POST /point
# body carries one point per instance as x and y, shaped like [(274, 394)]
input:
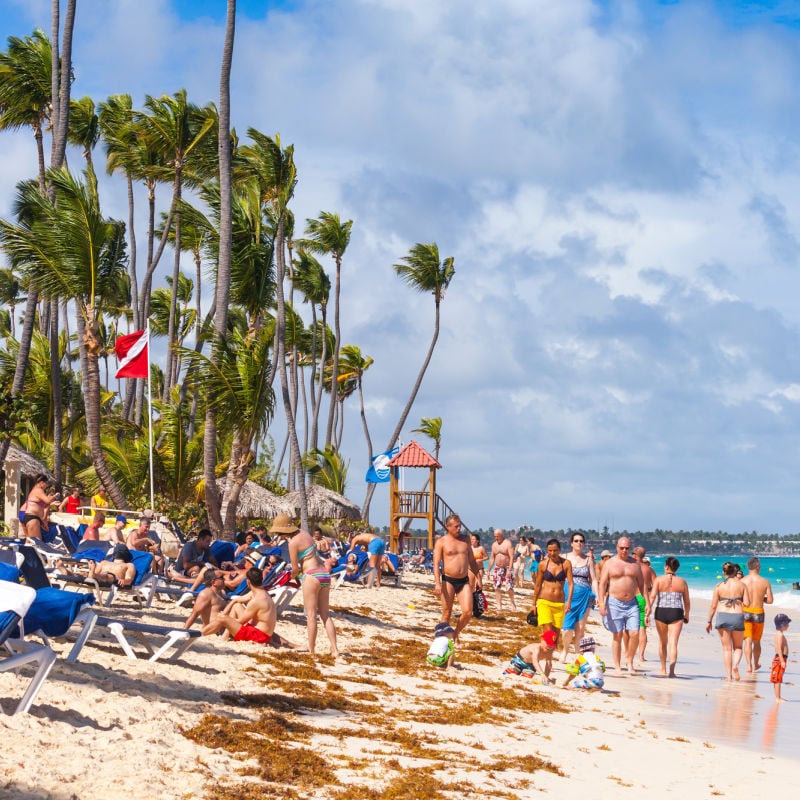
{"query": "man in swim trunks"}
[(500, 570), (254, 622), (376, 547), (620, 582), (454, 552), (649, 576), (210, 601), (760, 592)]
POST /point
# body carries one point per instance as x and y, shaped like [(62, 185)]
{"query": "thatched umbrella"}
[(257, 502), (322, 504), (29, 467)]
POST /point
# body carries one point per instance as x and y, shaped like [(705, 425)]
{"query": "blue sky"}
[(618, 184)]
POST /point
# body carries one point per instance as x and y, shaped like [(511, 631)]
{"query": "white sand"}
[(115, 723)]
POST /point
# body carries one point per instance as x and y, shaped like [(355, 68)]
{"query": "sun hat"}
[(781, 620), (550, 638), (252, 558), (587, 643), (605, 553), (283, 524)]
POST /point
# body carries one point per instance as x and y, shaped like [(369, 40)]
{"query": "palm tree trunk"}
[(337, 344), (55, 384), (406, 410), (61, 127), (280, 335), (224, 263), (172, 336), (90, 380), (132, 265), (318, 402)]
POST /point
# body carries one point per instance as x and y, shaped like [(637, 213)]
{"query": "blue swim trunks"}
[(377, 547), (621, 615)]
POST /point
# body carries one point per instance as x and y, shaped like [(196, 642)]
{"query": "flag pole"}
[(150, 417)]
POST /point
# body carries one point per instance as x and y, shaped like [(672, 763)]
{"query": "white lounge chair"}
[(15, 600), (121, 629)]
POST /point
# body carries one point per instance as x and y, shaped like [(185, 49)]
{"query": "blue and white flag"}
[(378, 472)]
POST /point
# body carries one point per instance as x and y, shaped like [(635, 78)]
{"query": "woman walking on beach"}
[(727, 604), (584, 592), (670, 599), (550, 600), (479, 551), (314, 578), (521, 554)]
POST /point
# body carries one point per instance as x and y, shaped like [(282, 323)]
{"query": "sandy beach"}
[(236, 720)]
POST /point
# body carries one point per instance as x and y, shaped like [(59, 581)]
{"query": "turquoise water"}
[(703, 573)]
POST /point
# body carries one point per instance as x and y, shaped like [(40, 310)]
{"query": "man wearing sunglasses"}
[(620, 582)]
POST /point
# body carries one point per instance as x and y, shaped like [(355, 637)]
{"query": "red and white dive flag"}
[(132, 355)]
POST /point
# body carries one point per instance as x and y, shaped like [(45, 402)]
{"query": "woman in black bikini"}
[(670, 598), (37, 507)]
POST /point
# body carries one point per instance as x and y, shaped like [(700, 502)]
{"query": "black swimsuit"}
[(457, 583)]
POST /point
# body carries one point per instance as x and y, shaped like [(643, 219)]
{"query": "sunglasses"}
[(579, 541), (623, 548)]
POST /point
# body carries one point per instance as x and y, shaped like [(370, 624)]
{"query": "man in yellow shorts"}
[(760, 592)]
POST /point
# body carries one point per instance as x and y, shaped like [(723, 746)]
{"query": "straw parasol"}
[(29, 467), (256, 501), (322, 504)]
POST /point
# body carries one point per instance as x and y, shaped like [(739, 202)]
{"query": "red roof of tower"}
[(412, 455)]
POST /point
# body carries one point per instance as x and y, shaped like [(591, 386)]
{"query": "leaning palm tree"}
[(327, 468), (432, 428), (423, 271), (353, 364), (330, 235), (76, 255)]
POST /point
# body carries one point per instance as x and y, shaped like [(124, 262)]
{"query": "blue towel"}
[(54, 610), (9, 572), (92, 554), (223, 551)]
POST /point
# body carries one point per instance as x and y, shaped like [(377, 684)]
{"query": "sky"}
[(619, 185)]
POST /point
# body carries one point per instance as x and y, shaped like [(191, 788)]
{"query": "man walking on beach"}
[(648, 576), (760, 592), (453, 561), (620, 582), (500, 570)]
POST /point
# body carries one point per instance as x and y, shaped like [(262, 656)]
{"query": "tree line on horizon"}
[(80, 278)]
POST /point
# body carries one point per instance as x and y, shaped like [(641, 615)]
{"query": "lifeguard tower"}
[(421, 504)]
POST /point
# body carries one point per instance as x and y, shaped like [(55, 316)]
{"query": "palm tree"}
[(432, 428), (10, 288), (329, 234), (238, 388), (352, 366), (84, 127), (314, 283), (423, 271), (327, 468), (175, 129), (78, 255)]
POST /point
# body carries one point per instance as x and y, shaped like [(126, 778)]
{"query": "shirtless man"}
[(119, 572), (500, 570), (376, 547), (760, 592), (210, 601), (140, 539), (254, 622), (649, 576), (454, 552), (92, 532), (620, 582)]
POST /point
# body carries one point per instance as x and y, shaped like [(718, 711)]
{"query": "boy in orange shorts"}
[(781, 654)]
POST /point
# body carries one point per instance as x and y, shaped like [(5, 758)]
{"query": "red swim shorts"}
[(249, 633), (776, 676)]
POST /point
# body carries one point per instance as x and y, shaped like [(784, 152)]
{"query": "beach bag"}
[(440, 651), (532, 618), (479, 603)]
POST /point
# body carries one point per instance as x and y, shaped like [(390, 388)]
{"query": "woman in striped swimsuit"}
[(314, 578)]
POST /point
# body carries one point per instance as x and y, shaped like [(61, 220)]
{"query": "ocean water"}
[(703, 573)]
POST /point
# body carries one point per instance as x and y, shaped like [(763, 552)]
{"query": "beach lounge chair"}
[(157, 640), (15, 600)]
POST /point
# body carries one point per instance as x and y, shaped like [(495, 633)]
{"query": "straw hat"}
[(283, 524)]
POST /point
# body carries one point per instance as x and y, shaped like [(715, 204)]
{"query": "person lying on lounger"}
[(254, 622), (119, 572)]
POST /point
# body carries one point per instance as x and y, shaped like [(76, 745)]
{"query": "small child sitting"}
[(441, 650), (535, 660), (781, 654), (587, 669)]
